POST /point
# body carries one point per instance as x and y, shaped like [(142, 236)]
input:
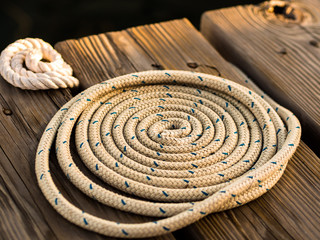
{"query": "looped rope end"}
[(34, 64)]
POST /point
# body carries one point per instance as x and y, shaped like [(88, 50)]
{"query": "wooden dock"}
[(290, 210)]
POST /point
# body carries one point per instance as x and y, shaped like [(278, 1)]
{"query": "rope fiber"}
[(187, 144)]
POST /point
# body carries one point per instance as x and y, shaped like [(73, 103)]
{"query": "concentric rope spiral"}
[(21, 65), (188, 143)]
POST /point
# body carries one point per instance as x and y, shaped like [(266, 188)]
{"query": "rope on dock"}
[(187, 144)]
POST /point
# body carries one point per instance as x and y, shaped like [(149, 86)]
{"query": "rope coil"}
[(189, 144), (22, 65)]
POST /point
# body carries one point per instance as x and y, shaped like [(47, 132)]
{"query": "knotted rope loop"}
[(33, 64), (188, 144)]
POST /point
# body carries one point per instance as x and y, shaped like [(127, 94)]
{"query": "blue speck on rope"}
[(204, 193), (165, 228), (161, 210), (164, 193), (85, 221)]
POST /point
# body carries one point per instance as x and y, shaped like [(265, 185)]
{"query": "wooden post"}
[(277, 45)]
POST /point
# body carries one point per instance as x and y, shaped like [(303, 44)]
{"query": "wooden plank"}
[(277, 45), (24, 212), (23, 117), (289, 210)]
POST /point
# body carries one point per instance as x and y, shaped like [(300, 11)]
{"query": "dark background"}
[(57, 20)]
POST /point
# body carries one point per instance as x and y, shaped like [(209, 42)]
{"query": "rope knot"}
[(34, 64)]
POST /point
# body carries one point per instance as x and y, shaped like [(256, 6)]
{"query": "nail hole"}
[(158, 66), (282, 51), (286, 11), (192, 65), (314, 43), (7, 111), (283, 10), (214, 68)]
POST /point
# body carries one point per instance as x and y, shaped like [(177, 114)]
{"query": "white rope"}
[(189, 144), (21, 65)]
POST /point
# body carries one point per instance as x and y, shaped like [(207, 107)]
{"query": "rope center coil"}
[(188, 144)]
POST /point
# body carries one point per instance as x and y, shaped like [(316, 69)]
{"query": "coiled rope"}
[(188, 143), (22, 65)]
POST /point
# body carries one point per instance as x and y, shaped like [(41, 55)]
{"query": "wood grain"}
[(281, 54), (290, 210)]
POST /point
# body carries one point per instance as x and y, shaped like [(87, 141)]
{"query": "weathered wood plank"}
[(289, 210), (20, 133), (25, 213), (278, 47)]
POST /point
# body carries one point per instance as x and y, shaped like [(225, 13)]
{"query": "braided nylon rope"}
[(21, 66), (188, 143)]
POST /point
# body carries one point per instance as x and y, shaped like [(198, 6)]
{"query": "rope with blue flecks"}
[(188, 144)]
